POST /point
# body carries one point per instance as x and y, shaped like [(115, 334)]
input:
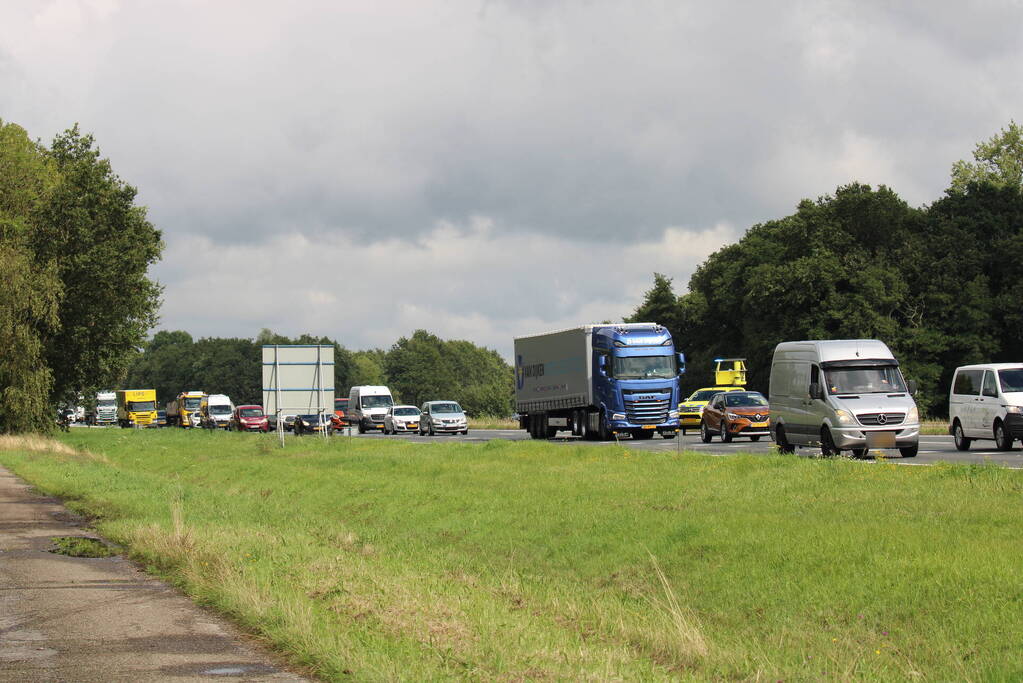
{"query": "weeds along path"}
[(525, 560)]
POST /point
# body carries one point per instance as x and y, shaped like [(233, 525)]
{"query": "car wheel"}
[(465, 432), (910, 451), (754, 438), (1003, 441), (962, 441), (783, 445), (704, 432), (828, 448), (432, 433), (726, 436)]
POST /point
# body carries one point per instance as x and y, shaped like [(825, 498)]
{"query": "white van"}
[(367, 406), (842, 395), (216, 411), (986, 402)]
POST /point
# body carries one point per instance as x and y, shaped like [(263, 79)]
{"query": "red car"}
[(339, 419), (249, 419)]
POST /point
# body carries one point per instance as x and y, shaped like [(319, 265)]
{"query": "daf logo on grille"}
[(646, 398), (882, 418)]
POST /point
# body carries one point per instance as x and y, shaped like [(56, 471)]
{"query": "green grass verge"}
[(395, 560)]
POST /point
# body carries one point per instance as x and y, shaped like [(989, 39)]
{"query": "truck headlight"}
[(673, 414), (618, 416), (914, 415), (845, 417)]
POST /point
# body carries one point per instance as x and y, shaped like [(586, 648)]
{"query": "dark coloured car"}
[(312, 424)]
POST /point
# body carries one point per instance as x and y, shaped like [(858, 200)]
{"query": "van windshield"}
[(1011, 380), (865, 380), (377, 402), (644, 367)]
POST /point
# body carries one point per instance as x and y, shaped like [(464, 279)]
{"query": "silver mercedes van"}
[(842, 395)]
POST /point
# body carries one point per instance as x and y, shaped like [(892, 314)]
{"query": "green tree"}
[(29, 290), (660, 305), (102, 245), (998, 161)]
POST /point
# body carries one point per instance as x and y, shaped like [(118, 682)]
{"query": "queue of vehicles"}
[(610, 380)]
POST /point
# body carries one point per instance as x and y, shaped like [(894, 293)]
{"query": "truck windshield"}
[(377, 402), (193, 403), (1011, 380), (136, 406), (106, 404), (865, 380), (644, 367)]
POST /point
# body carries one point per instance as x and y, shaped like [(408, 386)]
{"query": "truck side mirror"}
[(816, 392), (681, 363), (911, 385), (602, 365)]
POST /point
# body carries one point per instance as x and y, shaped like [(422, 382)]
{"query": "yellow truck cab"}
[(136, 407), (729, 375)]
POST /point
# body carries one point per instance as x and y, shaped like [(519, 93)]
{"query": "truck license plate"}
[(880, 439), (649, 426)]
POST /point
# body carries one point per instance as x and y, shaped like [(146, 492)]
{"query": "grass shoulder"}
[(520, 560)]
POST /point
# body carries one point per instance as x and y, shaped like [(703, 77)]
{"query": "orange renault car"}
[(736, 413)]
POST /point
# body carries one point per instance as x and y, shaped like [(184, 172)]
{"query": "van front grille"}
[(880, 419)]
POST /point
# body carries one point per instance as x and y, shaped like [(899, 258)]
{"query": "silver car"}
[(444, 417)]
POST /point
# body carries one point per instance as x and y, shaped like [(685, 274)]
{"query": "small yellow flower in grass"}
[(877, 652)]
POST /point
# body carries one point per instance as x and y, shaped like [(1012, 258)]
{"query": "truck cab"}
[(136, 407)]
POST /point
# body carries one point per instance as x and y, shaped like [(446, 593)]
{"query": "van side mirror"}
[(816, 392), (911, 385), (681, 363)]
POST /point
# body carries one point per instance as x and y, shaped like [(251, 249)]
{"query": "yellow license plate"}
[(758, 424), (649, 426), (412, 425)]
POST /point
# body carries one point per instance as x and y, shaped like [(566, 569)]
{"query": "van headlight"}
[(845, 417), (1017, 410), (913, 415)]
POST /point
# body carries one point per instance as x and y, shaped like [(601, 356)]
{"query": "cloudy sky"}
[(486, 168)]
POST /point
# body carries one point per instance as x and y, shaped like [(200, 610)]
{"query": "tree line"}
[(418, 368), (75, 298), (940, 284)]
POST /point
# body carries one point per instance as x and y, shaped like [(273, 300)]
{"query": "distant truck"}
[(216, 411), (136, 407), (105, 410), (597, 381), (181, 409)]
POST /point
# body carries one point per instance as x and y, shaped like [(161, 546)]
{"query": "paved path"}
[(83, 620)]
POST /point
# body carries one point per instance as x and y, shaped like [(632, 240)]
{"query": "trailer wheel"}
[(584, 426)]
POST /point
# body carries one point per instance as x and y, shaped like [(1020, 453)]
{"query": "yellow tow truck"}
[(729, 375)]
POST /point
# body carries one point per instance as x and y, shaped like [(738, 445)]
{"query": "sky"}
[(486, 169)]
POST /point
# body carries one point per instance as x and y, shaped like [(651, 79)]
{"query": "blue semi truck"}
[(598, 381)]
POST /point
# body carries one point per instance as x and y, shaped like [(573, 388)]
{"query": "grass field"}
[(374, 560)]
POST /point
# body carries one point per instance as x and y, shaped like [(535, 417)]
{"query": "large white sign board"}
[(298, 379)]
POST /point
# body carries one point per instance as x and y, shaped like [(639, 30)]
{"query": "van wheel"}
[(828, 448), (910, 451), (962, 441), (1003, 441), (362, 427), (783, 445), (859, 452), (704, 432)]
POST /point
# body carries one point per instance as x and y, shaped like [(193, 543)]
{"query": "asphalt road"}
[(933, 449)]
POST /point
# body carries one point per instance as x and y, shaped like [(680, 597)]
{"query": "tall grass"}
[(399, 560)]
